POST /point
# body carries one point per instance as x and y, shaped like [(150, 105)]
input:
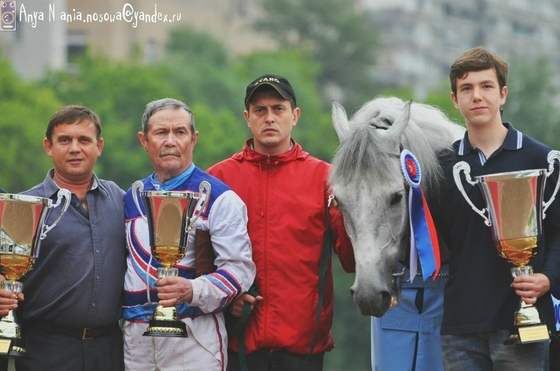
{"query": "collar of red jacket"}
[(249, 154)]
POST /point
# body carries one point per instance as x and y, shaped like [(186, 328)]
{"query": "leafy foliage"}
[(201, 71), (351, 330), (337, 36), (118, 92), (26, 108), (530, 106), (220, 135)]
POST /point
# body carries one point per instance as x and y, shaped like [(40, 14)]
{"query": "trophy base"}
[(166, 323), (527, 334), (166, 328), (12, 348)]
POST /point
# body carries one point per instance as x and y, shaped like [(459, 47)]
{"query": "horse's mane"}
[(365, 153)]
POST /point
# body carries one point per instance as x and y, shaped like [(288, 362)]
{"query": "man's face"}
[(169, 142), (479, 97), (74, 150), (271, 119)]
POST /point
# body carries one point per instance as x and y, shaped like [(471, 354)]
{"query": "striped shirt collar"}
[(513, 141)]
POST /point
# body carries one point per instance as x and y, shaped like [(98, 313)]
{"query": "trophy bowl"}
[(515, 208), (22, 227), (170, 216)]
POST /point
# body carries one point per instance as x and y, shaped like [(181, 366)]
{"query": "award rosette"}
[(22, 228), (424, 245), (514, 212), (170, 216)]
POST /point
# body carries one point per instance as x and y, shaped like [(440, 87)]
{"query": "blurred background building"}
[(420, 38)]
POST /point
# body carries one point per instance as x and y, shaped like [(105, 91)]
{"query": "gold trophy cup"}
[(170, 216), (515, 208), (22, 227)]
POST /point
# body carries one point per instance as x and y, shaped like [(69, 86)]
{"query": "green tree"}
[(531, 103), (26, 108), (201, 70), (442, 100), (221, 134), (351, 330), (337, 36), (118, 92)]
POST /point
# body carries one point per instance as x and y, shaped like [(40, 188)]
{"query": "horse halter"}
[(396, 286)]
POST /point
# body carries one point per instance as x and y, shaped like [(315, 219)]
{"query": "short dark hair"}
[(73, 114), (478, 59), (161, 104)]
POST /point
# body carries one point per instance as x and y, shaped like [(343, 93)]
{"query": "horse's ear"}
[(340, 121), (397, 129)]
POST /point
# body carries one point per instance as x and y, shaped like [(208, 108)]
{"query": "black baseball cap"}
[(279, 83)]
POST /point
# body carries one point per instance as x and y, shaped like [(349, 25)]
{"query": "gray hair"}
[(162, 104)]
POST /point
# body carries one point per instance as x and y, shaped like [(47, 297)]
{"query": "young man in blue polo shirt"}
[(481, 296)]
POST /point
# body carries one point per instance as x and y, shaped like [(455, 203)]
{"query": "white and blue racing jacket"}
[(225, 218)]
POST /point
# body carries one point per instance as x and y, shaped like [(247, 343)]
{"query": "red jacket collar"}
[(249, 154)]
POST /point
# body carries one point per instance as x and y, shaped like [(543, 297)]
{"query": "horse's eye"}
[(396, 198)]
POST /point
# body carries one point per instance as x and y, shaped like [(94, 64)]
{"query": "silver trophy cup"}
[(22, 227), (170, 217), (514, 212)]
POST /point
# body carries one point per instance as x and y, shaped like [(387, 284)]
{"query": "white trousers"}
[(204, 349)]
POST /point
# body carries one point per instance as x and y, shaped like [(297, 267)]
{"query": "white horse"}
[(371, 192)]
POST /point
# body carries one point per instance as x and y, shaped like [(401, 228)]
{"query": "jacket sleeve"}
[(342, 244), (227, 222)]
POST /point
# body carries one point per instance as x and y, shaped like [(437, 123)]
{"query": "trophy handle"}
[(552, 155), (138, 186), (204, 190), (62, 193), (463, 166)]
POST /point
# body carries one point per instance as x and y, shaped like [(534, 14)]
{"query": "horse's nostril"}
[(387, 299), (351, 292)]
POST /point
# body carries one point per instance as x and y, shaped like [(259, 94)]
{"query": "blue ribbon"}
[(423, 243)]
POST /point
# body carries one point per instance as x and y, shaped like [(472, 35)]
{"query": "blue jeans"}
[(486, 352)]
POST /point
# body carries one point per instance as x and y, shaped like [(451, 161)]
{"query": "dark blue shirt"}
[(478, 296), (77, 279)]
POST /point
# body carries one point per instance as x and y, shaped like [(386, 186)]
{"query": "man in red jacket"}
[(286, 193)]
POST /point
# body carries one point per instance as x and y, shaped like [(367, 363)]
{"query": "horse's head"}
[(370, 190)]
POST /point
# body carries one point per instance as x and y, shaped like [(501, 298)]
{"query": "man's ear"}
[(142, 139)]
